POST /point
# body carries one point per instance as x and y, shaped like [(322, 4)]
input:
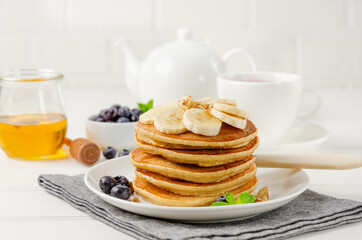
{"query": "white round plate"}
[(284, 185), (301, 138)]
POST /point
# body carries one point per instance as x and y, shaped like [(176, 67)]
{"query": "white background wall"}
[(320, 39)]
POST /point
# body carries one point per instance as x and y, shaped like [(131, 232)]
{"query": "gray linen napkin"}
[(309, 212)]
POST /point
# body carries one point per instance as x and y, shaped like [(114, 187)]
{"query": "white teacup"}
[(271, 98)]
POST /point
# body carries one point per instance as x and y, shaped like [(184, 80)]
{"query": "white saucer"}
[(284, 185), (301, 138)]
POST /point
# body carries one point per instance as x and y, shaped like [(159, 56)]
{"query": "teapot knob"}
[(184, 34)]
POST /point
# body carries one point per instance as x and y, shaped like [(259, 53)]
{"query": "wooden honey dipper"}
[(83, 150)]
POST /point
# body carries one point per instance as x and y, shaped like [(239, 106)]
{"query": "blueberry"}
[(101, 113), (124, 112), (122, 180), (93, 118), (106, 183), (134, 118), (123, 119), (117, 106), (110, 114), (99, 119), (221, 199), (109, 152), (121, 191), (124, 152), (136, 112)]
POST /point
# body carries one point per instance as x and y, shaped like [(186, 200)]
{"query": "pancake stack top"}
[(191, 152)]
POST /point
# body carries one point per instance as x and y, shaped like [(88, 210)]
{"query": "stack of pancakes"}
[(188, 170)]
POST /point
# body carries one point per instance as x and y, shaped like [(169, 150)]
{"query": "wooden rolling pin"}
[(309, 161), (83, 150)]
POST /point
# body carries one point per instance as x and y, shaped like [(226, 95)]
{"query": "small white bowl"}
[(109, 134)]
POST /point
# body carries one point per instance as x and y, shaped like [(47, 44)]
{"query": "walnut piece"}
[(262, 195)]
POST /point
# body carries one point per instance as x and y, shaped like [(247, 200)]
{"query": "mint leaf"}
[(142, 107), (218, 204), (145, 107), (245, 198), (230, 198), (150, 104)]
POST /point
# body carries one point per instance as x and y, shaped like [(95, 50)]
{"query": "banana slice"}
[(205, 100), (226, 101), (201, 122), (169, 120), (149, 116), (231, 110), (234, 121)]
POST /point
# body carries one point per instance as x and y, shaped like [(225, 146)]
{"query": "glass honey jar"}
[(32, 117)]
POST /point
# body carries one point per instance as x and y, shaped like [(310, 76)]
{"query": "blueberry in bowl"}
[(113, 126), (117, 114)]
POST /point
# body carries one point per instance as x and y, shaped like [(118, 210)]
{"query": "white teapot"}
[(179, 68)]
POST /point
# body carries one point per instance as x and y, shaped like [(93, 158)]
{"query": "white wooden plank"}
[(12, 179), (347, 191), (45, 229), (34, 203), (93, 230), (47, 166)]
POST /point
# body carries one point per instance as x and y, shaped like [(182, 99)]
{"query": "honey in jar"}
[(28, 136), (32, 116)]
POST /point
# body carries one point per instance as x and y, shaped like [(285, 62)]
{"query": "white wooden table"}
[(28, 212)]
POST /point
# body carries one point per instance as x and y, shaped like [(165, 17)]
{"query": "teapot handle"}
[(241, 51)]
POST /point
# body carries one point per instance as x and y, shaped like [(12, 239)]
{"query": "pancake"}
[(197, 189), (159, 196), (228, 136), (158, 164), (202, 157), (155, 142)]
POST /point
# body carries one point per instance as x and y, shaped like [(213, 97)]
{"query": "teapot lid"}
[(184, 39)]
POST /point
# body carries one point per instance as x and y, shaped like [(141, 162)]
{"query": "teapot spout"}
[(132, 66)]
